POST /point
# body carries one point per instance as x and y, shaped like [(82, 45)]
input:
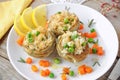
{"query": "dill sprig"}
[(21, 60), (96, 62), (91, 23)]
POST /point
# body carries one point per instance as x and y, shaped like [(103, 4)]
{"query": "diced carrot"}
[(44, 63), (66, 70), (29, 60), (95, 46), (81, 70), (64, 76), (88, 69), (81, 27), (92, 35), (86, 34), (90, 50), (20, 40), (45, 73), (34, 68), (46, 25), (100, 51)]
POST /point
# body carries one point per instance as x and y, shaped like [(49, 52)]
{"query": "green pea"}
[(92, 30), (71, 50), (66, 20), (29, 35), (72, 45), (84, 43), (71, 73), (65, 28), (73, 37), (51, 75), (94, 50), (65, 46), (57, 61), (30, 40), (37, 33), (59, 12), (90, 40)]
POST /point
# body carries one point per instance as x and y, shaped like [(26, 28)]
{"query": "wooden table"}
[(7, 72)]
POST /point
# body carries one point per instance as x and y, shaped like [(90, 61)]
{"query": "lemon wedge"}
[(26, 19), (39, 16), (18, 27)]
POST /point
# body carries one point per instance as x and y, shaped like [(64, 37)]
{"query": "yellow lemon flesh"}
[(39, 16), (26, 19), (18, 27)]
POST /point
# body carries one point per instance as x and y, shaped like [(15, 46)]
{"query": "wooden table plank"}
[(11, 74), (7, 72)]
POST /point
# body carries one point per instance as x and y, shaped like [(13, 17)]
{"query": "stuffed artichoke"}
[(72, 46), (63, 21), (39, 43)]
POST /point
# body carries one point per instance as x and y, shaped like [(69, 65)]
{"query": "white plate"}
[(106, 34)]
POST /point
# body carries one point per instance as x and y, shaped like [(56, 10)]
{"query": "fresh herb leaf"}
[(96, 42), (73, 37), (66, 45), (30, 40), (59, 12), (81, 22), (90, 23), (21, 60), (42, 39), (65, 28), (37, 33), (96, 62), (84, 43), (72, 46)]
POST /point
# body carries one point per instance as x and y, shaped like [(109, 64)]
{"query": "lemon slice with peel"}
[(18, 27), (39, 16), (26, 19)]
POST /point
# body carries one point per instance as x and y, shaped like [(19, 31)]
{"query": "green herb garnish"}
[(66, 45), (96, 62), (59, 12), (81, 22), (37, 33), (96, 42), (84, 43), (21, 60), (72, 46), (30, 40), (90, 23), (65, 28), (42, 39), (73, 37)]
